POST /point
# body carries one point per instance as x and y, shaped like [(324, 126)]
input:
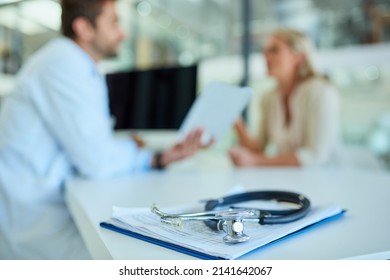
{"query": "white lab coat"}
[(55, 124)]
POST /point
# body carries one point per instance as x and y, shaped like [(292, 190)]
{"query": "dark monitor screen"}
[(152, 99)]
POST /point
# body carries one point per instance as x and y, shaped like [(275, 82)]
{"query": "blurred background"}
[(224, 39)]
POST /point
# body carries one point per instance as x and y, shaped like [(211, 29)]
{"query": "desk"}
[(362, 233)]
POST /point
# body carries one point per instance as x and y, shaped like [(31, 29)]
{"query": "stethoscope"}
[(221, 215)]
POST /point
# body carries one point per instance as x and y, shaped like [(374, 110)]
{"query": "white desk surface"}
[(363, 232)]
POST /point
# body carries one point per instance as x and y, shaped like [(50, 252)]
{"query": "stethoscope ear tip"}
[(154, 208)]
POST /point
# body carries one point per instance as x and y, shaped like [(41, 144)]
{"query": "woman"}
[(300, 118)]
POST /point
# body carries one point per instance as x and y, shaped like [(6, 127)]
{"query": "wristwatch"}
[(158, 161)]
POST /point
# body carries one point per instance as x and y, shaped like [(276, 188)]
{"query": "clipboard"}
[(215, 110), (323, 215), (161, 243)]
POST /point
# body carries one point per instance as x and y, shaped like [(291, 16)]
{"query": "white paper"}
[(197, 236), (215, 110)]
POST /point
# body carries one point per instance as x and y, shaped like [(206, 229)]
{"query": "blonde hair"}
[(299, 43)]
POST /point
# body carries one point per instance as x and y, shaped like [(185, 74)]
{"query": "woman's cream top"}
[(313, 132)]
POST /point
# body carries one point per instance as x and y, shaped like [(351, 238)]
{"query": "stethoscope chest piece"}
[(231, 221), (234, 231)]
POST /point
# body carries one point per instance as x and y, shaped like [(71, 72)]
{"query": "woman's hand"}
[(242, 156), (244, 139)]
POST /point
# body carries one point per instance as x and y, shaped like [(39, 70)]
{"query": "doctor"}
[(55, 124)]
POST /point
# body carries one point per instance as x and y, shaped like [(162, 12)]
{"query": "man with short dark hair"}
[(55, 124)]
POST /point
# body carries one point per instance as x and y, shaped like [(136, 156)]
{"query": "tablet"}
[(215, 110)]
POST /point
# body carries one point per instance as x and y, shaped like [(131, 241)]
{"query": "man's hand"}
[(188, 147)]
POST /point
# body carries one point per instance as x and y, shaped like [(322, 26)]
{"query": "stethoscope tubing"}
[(265, 216)]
